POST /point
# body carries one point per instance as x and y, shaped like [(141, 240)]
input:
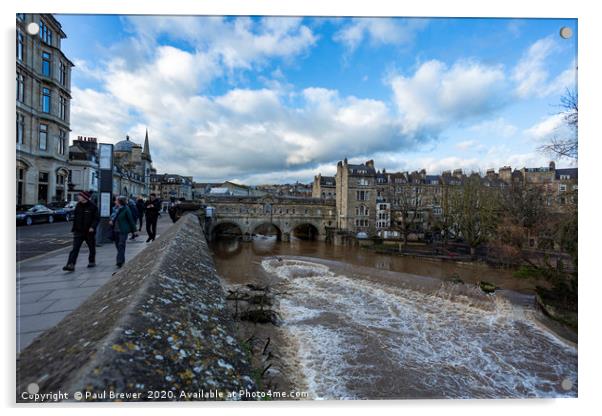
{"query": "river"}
[(362, 325)]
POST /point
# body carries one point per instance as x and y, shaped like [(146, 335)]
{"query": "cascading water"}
[(357, 338)]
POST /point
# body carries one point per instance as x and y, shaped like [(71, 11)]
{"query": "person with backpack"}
[(122, 223)]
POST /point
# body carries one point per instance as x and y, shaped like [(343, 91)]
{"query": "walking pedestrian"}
[(85, 221), (134, 211), (152, 210), (122, 224), (140, 207)]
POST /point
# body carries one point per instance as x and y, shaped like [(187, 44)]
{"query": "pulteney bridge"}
[(311, 218)]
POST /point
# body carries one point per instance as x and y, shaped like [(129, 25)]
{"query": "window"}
[(45, 33), (362, 195), (43, 137), (62, 73), (45, 100), (362, 211), (20, 87), (361, 223), (43, 187), (19, 45), (60, 180), (62, 142), (362, 182), (20, 128), (46, 64), (62, 107), (562, 187), (20, 184)]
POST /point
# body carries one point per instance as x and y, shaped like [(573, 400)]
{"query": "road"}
[(37, 239)]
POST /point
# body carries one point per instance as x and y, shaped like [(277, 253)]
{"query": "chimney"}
[(552, 165), (370, 164)]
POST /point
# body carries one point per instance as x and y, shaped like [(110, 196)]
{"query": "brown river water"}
[(362, 325)]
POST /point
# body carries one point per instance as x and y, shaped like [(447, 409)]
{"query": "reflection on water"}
[(364, 325)]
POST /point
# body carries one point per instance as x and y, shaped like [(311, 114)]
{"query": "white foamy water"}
[(358, 339)]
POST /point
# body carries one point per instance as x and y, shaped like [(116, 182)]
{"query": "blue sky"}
[(264, 100)]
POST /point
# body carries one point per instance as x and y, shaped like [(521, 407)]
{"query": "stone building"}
[(297, 190), (324, 187), (200, 189), (43, 96), (83, 167), (414, 203), (356, 197), (133, 168), (168, 186)]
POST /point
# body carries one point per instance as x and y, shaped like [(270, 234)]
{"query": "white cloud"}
[(236, 43), (498, 128), (532, 76), (379, 31), (437, 96), (466, 144), (97, 114), (274, 132), (549, 128)]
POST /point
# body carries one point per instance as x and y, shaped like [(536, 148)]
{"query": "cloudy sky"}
[(279, 99)]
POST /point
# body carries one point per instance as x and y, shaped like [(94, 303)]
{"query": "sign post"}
[(105, 189)]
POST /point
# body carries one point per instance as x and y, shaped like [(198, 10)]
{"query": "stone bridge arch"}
[(257, 226), (227, 227)]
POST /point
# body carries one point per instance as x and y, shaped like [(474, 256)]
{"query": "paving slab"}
[(35, 308), (46, 293), (65, 305)]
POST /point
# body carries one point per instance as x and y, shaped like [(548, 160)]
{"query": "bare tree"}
[(566, 147), (409, 199), (444, 222), (474, 210)]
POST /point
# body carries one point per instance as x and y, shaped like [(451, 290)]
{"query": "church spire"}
[(146, 150)]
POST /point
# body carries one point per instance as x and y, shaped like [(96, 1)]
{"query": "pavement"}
[(46, 293)]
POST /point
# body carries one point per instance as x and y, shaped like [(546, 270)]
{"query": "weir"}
[(159, 324)]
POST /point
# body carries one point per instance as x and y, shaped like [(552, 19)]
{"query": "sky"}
[(279, 99)]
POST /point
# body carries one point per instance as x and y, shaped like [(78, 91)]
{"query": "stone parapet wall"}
[(159, 325)]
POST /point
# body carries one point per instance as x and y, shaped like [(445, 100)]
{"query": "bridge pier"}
[(285, 237)]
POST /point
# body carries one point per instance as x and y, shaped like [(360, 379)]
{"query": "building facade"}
[(167, 186), (324, 187), (356, 197), (133, 168), (83, 167), (43, 96), (414, 203)]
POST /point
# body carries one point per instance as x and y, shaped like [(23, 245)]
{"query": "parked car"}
[(62, 210), (32, 214)]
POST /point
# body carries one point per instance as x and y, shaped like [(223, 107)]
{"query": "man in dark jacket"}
[(140, 207), (85, 220), (152, 209)]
